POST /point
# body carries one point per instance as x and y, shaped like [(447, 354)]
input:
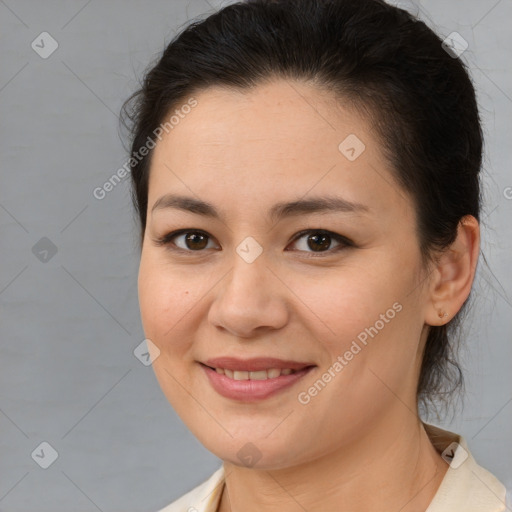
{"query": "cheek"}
[(165, 299), (166, 306), (366, 316), (341, 304)]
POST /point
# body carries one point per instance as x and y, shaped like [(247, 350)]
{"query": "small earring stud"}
[(442, 313)]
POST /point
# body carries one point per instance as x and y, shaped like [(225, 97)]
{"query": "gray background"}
[(69, 325)]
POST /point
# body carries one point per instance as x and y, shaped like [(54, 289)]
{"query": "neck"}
[(392, 467)]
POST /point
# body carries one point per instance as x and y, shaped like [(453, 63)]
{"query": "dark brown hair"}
[(389, 64)]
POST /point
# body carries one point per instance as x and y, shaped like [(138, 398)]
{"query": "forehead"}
[(280, 138), (272, 119)]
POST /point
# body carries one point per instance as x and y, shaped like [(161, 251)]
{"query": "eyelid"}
[(342, 240)]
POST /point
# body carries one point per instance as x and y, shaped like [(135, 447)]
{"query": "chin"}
[(247, 451)]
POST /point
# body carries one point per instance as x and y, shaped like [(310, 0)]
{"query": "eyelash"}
[(344, 242)]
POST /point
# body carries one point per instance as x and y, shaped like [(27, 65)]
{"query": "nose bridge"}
[(248, 275), (247, 299)]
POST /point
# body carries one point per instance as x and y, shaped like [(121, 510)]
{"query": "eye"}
[(192, 240), (319, 240)]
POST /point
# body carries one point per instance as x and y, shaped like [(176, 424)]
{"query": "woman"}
[(306, 175)]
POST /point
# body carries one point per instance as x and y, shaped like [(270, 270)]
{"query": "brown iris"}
[(196, 240), (322, 239)]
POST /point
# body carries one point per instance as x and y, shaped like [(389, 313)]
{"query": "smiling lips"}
[(252, 379)]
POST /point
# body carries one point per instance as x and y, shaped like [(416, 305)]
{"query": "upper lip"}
[(254, 364)]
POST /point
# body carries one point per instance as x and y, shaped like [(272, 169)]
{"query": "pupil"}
[(191, 239), (316, 237)]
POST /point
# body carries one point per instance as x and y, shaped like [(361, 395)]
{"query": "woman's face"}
[(349, 310)]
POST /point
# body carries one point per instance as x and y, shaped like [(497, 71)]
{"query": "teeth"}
[(261, 375), (271, 373)]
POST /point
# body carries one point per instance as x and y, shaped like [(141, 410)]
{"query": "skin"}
[(359, 442)]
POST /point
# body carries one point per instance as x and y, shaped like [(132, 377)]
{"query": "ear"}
[(453, 274)]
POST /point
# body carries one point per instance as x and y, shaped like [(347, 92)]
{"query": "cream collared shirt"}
[(466, 486)]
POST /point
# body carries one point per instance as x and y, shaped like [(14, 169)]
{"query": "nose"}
[(250, 299)]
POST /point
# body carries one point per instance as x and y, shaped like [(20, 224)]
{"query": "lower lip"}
[(251, 390)]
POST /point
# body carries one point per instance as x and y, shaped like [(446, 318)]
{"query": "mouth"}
[(255, 379)]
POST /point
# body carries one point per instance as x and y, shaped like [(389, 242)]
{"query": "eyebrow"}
[(324, 204)]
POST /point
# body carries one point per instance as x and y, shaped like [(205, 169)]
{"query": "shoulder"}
[(466, 485), (203, 498)]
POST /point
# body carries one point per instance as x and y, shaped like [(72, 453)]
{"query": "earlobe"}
[(454, 273)]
